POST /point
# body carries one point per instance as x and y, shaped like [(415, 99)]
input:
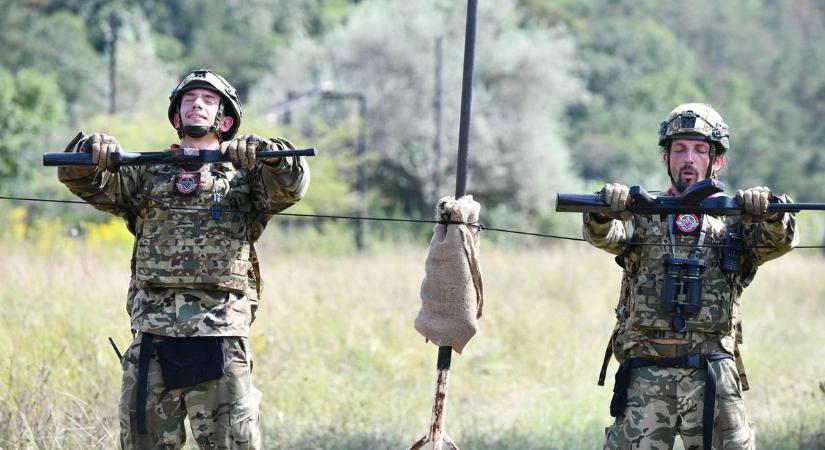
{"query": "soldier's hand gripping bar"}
[(699, 198), (174, 156)]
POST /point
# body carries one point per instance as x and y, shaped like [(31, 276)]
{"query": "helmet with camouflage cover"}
[(230, 105), (695, 121)]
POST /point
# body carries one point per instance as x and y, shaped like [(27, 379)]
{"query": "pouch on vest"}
[(186, 362)]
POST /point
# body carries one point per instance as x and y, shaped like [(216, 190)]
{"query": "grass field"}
[(341, 366)]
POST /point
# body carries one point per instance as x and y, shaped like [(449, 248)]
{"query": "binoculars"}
[(682, 290)]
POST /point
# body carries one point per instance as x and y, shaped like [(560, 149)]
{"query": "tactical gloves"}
[(756, 200), (102, 146), (243, 149), (616, 196)]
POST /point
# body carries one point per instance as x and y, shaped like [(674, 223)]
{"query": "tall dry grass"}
[(341, 366)]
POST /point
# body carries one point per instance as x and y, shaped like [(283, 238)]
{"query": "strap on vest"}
[(143, 380), (740, 368), (618, 403), (608, 353), (256, 269)]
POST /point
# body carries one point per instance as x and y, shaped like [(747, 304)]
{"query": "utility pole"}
[(290, 96), (361, 176), (437, 95), (114, 24)]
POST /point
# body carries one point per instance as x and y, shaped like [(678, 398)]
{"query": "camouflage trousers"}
[(223, 413), (665, 402)]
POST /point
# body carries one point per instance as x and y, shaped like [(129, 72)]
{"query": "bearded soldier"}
[(679, 316), (195, 281)]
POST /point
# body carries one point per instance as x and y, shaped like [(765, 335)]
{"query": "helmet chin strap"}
[(194, 130), (202, 130), (711, 160)]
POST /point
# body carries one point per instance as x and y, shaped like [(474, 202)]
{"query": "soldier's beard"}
[(681, 184)]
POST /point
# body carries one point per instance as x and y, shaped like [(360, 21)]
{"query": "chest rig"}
[(193, 233), (684, 282)]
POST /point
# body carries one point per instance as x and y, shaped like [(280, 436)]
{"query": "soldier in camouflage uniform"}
[(679, 317), (195, 282)]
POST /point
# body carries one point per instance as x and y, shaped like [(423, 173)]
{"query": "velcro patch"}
[(688, 223), (187, 183)]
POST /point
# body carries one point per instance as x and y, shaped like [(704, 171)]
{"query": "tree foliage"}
[(568, 94), (385, 51), (31, 103)]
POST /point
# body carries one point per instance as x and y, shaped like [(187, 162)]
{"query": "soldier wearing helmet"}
[(679, 310), (228, 107), (195, 281)]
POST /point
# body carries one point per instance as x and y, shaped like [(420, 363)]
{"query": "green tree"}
[(58, 44), (238, 39), (385, 51), (32, 104)]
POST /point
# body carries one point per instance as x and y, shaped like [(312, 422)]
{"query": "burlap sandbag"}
[(451, 293)]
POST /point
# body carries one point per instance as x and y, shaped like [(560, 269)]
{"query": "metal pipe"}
[(466, 99)]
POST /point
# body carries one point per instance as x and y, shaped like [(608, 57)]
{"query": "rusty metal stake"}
[(437, 437)]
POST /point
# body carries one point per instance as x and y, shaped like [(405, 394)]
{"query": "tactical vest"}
[(720, 307), (193, 233)]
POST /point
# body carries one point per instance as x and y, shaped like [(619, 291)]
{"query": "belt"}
[(618, 403)]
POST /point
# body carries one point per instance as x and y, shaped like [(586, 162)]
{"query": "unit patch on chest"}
[(687, 223), (187, 183)]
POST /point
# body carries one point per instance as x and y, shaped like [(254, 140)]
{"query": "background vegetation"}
[(341, 367), (568, 94)]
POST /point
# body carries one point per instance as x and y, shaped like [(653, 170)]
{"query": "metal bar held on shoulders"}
[(174, 156), (699, 198)]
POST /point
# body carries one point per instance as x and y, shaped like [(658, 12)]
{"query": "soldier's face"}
[(198, 107), (689, 161)]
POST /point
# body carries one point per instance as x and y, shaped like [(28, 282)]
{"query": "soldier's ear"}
[(719, 162), (226, 124), (176, 120)]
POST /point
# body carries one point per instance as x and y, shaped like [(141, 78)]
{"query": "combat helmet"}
[(695, 121), (230, 105)]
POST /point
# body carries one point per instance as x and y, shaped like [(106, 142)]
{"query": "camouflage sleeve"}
[(610, 236), (276, 187), (773, 237), (109, 192)]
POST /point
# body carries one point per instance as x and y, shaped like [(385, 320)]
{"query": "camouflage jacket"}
[(642, 244), (179, 237)]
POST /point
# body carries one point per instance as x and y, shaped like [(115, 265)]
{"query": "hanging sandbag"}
[(452, 293)]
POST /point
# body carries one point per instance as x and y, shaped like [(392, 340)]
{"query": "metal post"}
[(437, 438), (466, 99)]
